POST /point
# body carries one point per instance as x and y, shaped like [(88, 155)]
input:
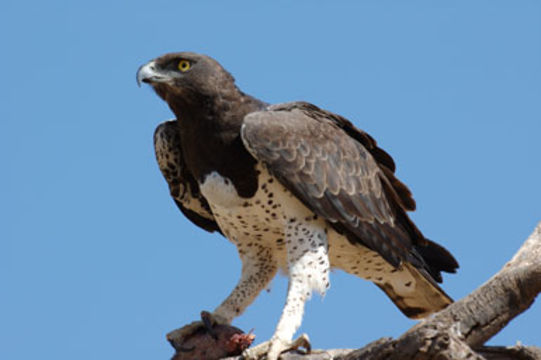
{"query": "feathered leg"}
[(308, 263), (258, 269)]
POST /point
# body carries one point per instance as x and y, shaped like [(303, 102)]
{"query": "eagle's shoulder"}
[(183, 187)]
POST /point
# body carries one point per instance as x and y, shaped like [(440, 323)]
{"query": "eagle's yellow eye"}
[(184, 65)]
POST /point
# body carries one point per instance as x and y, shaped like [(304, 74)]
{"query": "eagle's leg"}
[(258, 269), (308, 263)]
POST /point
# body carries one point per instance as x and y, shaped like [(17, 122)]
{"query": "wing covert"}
[(311, 153)]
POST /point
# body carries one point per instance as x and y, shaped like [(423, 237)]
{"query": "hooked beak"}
[(149, 74)]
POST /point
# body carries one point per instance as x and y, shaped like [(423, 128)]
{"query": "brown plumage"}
[(292, 186)]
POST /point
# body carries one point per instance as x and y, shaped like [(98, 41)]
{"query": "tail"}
[(436, 259), (414, 292)]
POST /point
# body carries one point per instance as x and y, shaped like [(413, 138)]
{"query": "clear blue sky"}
[(96, 262)]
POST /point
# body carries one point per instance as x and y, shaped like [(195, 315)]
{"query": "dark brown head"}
[(187, 77)]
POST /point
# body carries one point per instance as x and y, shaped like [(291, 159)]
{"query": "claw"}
[(209, 322), (274, 347)]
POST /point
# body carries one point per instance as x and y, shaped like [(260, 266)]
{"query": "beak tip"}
[(139, 75), (149, 74)]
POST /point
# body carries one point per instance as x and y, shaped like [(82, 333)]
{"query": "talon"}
[(209, 322), (274, 347), (302, 341), (256, 352)]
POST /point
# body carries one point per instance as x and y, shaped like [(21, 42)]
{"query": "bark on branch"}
[(461, 330)]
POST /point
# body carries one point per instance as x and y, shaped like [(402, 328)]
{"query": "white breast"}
[(220, 191)]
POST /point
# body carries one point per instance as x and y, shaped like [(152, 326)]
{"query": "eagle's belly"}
[(260, 222), (252, 224), (358, 260)]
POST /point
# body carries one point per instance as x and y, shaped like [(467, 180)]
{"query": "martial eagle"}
[(295, 188)]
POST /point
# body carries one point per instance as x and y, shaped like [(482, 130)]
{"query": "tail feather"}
[(437, 259), (416, 298)]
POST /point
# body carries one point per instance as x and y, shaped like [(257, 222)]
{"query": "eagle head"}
[(186, 77)]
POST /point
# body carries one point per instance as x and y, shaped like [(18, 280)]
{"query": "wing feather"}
[(182, 185), (340, 173), (331, 172)]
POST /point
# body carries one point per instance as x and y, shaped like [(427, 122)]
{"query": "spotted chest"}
[(261, 222)]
